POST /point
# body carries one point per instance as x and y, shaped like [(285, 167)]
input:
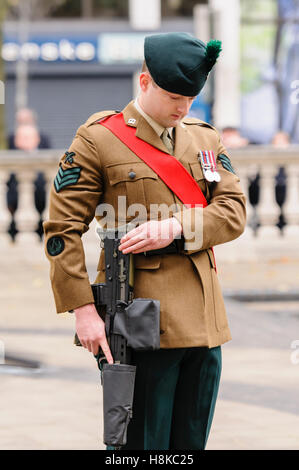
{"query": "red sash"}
[(170, 170)]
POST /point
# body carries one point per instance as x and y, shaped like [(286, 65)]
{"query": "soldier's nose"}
[(183, 108)]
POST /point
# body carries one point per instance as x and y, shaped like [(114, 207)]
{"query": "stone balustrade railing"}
[(249, 161), (266, 161)]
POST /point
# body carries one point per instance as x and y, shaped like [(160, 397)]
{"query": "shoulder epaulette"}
[(198, 122), (97, 116)]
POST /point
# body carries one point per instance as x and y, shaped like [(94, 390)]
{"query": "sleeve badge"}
[(66, 177), (226, 163), (55, 246)]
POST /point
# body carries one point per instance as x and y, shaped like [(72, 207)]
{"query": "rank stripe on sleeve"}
[(66, 177), (226, 163)]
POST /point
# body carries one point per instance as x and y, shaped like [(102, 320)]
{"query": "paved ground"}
[(59, 407)]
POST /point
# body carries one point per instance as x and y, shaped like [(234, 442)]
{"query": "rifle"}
[(130, 324)]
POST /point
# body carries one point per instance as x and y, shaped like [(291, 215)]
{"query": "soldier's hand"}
[(90, 329), (151, 235)]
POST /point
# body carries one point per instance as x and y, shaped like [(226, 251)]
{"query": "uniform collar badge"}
[(208, 164), (131, 121)]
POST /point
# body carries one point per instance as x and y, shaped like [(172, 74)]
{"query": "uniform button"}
[(132, 175)]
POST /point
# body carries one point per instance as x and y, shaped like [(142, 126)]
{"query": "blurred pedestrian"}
[(26, 138), (232, 138), (281, 139), (28, 117)]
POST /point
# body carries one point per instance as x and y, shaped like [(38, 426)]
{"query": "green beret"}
[(180, 63)]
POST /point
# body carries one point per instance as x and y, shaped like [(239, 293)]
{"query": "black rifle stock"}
[(130, 324), (116, 293)]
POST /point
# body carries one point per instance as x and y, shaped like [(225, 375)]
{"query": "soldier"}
[(176, 387)]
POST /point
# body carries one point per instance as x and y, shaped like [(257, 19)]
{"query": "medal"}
[(209, 176), (217, 177), (208, 163)]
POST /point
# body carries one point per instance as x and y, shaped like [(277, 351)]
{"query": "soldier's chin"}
[(174, 121)]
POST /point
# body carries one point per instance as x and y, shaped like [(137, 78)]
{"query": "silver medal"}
[(217, 177), (209, 175)]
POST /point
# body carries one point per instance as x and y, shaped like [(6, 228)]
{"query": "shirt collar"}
[(154, 124)]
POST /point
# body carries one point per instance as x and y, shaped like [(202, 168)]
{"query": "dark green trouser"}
[(174, 399)]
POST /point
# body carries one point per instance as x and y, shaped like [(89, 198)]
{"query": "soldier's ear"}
[(144, 81)]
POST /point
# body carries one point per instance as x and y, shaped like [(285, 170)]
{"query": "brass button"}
[(132, 175)]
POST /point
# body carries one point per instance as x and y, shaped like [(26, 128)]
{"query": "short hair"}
[(144, 67)]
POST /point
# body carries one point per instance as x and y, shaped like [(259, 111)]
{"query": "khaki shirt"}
[(192, 307)]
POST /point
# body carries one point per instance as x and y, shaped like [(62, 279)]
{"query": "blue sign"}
[(51, 49), (106, 48)]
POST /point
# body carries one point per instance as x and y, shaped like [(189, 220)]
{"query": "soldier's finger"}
[(130, 234), (137, 246), (132, 240), (95, 348), (83, 343), (148, 247), (107, 352)]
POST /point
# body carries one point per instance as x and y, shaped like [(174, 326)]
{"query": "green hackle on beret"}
[(213, 50), (180, 63)]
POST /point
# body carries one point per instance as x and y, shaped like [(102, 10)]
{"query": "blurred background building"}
[(68, 58), (80, 57)]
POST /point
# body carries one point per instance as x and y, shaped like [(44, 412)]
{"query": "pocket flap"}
[(129, 172), (196, 171), (147, 262), (140, 262)]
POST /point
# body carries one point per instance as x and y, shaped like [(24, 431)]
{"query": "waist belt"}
[(172, 248)]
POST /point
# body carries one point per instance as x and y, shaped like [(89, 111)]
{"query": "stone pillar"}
[(26, 215), (226, 27), (4, 213), (291, 206), (145, 14), (268, 210), (202, 22)]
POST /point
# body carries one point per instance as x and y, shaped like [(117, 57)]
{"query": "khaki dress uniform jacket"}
[(192, 308)]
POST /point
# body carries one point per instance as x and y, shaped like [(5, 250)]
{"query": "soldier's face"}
[(168, 109)]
